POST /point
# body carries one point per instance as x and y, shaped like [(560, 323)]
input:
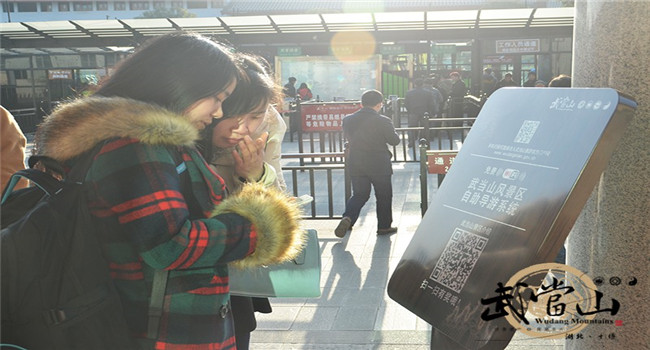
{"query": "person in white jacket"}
[(245, 147)]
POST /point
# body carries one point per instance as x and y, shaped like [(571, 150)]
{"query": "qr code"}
[(458, 259), (527, 131)]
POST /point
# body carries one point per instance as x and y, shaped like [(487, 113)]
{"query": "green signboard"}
[(289, 51), (442, 49), (392, 49)]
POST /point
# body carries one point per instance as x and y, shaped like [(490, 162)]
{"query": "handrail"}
[(328, 168), (312, 155), (451, 120), (24, 112)]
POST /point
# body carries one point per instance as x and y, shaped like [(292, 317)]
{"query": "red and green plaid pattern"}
[(143, 217)]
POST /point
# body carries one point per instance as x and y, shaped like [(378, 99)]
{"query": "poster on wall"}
[(54, 74), (326, 116), (330, 78)]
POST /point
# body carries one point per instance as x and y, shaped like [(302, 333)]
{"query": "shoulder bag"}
[(298, 278)]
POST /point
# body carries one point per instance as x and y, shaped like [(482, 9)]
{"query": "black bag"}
[(15, 204), (56, 289)]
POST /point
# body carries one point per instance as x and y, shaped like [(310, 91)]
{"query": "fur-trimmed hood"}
[(77, 126)]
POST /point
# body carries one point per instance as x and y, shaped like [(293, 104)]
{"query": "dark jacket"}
[(504, 83), (368, 133), (149, 217), (458, 90), (289, 90), (420, 100), (488, 84), (440, 100), (529, 83)]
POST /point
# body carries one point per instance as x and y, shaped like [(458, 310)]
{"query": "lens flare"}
[(353, 46)]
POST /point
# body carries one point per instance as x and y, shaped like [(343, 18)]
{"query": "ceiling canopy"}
[(293, 29)]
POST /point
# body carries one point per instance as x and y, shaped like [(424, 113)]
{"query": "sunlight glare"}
[(353, 46)]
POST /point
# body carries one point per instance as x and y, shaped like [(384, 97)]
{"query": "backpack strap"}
[(161, 277), (156, 302), (78, 174), (46, 182), (49, 163)]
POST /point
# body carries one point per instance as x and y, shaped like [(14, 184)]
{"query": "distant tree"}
[(568, 3), (175, 12)]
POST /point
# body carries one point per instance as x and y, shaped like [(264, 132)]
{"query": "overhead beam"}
[(312, 38)]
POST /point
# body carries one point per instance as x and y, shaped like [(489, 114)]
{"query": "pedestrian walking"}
[(418, 101), (457, 97), (369, 163), (429, 84), (289, 89)]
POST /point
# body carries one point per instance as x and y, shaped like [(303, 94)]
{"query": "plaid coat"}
[(150, 217)]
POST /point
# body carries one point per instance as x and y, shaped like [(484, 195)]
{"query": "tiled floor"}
[(354, 311)]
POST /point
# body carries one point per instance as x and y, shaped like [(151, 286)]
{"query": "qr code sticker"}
[(527, 131), (458, 259)]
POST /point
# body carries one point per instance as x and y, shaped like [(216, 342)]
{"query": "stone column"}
[(611, 238)]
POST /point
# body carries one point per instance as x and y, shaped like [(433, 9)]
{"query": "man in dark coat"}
[(289, 89), (506, 81), (457, 97), (488, 82), (532, 78), (429, 84), (417, 102), (369, 163)]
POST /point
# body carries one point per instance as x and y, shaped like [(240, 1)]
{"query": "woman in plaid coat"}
[(158, 204)]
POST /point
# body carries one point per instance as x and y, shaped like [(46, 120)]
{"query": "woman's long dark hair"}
[(255, 87), (173, 71)]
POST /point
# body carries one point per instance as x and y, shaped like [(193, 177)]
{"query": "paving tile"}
[(281, 318), (354, 311), (315, 318), (364, 297), (395, 317), (330, 297), (355, 318)]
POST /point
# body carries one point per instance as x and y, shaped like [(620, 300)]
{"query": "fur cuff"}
[(275, 217)]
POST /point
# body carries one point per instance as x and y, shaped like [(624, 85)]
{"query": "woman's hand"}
[(249, 157)]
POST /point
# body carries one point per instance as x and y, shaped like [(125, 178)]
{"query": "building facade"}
[(56, 10)]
